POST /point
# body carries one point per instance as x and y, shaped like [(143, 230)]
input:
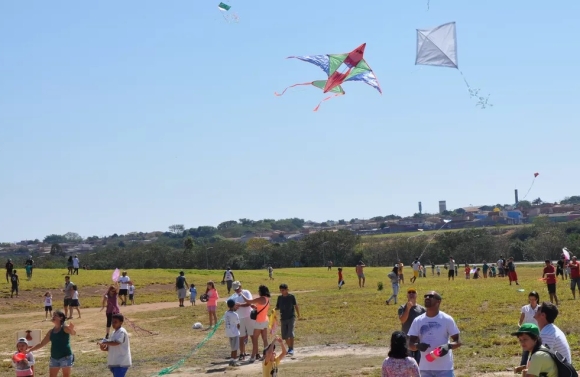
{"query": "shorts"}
[(181, 293), (67, 301), (48, 308), (451, 273), (74, 303), (260, 325), (287, 327), (229, 284), (63, 362), (559, 272), (416, 273), (234, 343), (131, 296), (109, 319), (246, 326), (14, 288), (552, 288), (574, 282), (192, 298), (361, 276), (211, 308), (123, 292), (119, 371)]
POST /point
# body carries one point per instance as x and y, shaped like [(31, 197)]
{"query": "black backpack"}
[(565, 368)]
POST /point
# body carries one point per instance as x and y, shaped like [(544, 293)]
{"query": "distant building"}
[(442, 206)]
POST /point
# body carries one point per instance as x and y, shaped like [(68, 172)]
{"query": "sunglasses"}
[(431, 296)]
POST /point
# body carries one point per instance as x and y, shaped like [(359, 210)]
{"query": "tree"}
[(571, 200), (54, 238), (176, 228), (383, 225), (459, 211), (537, 201), (121, 244), (55, 249), (227, 224), (341, 222), (72, 237), (524, 204), (188, 244)]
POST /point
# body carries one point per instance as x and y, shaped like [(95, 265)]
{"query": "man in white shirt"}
[(76, 265), (228, 278), (551, 335), (416, 267), (243, 309), (451, 272), (430, 331), (119, 356), (123, 290)]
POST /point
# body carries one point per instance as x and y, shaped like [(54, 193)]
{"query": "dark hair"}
[(535, 338), (395, 269), (263, 291), (535, 294), (283, 286), (550, 310), (548, 261), (118, 316), (60, 315), (398, 345)]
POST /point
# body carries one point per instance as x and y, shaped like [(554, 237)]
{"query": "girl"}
[(192, 294), (271, 361), (399, 364), (74, 304), (47, 305), (467, 271), (394, 276), (61, 356), (528, 315), (477, 273), (23, 362), (110, 299), (213, 297)]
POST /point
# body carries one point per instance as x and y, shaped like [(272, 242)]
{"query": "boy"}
[(271, 362), (15, 283), (340, 280), (193, 294), (131, 293), (119, 357), (232, 322)]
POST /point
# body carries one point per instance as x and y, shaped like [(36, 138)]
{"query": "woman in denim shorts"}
[(61, 356)]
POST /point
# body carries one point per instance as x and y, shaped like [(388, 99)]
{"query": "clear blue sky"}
[(119, 116)]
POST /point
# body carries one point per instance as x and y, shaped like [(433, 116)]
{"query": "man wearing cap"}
[(540, 363), (432, 330), (124, 289), (407, 314), (551, 335), (243, 309), (574, 276), (180, 287)]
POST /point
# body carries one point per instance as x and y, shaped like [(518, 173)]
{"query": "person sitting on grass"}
[(271, 361), (540, 362)]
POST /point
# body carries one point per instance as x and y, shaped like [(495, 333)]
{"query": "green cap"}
[(528, 328)]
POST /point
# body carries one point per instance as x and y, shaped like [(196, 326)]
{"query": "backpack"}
[(565, 368)]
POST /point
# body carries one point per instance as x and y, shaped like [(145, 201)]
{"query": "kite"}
[(229, 17), (356, 67), (438, 47)]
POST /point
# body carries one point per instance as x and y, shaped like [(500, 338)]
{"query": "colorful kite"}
[(438, 47), (229, 17), (357, 69)]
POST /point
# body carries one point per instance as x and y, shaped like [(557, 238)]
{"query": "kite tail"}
[(326, 99), (291, 86)]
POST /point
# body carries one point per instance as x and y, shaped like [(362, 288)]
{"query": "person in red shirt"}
[(574, 276), (550, 277), (340, 280)]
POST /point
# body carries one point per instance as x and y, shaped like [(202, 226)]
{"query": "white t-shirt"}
[(76, 263), (451, 264), (436, 332), (416, 265), (529, 313), (232, 321), (243, 312), (48, 301), (229, 275), (124, 280), (556, 340), (75, 295), (438, 269), (499, 263), (131, 289), (120, 355)]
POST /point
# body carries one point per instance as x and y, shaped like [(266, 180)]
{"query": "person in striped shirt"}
[(551, 335)]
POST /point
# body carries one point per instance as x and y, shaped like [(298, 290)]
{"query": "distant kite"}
[(355, 69), (438, 47), (225, 9)]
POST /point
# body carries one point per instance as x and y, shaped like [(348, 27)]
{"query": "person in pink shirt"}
[(212, 298)]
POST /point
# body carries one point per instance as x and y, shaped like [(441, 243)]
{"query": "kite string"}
[(326, 99), (291, 86), (532, 185), (429, 242)]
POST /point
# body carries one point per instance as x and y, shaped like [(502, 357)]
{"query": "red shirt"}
[(551, 279), (574, 270), (339, 275)]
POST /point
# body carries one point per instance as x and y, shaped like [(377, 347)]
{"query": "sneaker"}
[(252, 359), (242, 358), (291, 352)]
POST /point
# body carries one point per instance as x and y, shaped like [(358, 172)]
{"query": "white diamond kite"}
[(438, 47)]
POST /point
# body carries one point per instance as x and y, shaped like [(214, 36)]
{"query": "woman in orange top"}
[(260, 324), (212, 300)]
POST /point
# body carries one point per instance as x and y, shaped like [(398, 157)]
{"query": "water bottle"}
[(433, 355)]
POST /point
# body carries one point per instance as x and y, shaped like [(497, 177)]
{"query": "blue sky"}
[(119, 116)]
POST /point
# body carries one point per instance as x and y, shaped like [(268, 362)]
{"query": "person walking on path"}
[(110, 299), (61, 355), (68, 294), (181, 288), (118, 348), (289, 312), (228, 278), (124, 289), (432, 330), (360, 273), (407, 314)]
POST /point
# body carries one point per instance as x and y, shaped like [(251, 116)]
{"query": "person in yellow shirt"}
[(271, 361), (402, 277), (540, 363)]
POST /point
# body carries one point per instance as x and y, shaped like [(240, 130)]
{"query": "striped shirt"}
[(554, 338)]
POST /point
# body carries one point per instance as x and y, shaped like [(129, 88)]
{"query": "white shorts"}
[(260, 325), (246, 327)]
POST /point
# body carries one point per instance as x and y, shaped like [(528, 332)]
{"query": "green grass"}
[(431, 232), (485, 310)]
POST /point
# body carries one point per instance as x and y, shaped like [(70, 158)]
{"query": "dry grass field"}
[(341, 332)]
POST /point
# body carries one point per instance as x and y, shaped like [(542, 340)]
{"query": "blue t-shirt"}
[(193, 292)]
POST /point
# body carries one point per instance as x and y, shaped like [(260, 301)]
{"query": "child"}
[(271, 362), (438, 271), (23, 362), (467, 271), (232, 322), (74, 304), (118, 347), (477, 273), (47, 305), (493, 271), (192, 294), (213, 297), (15, 283), (340, 280), (132, 293)]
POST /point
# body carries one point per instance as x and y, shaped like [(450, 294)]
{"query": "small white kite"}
[(438, 47)]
